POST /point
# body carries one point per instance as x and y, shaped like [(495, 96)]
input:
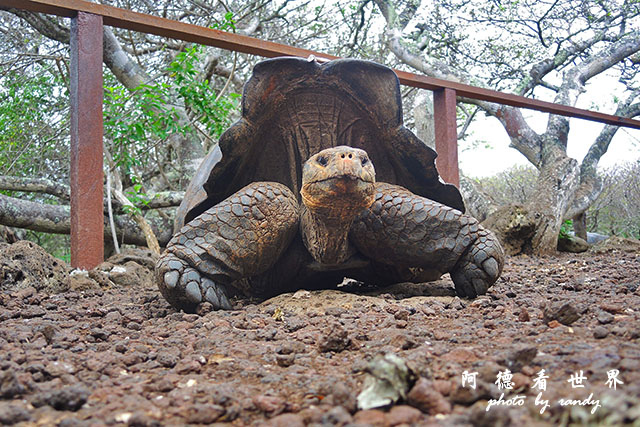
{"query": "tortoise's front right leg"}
[(240, 237)]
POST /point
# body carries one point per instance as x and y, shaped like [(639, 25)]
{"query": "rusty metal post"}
[(444, 116), (87, 218)]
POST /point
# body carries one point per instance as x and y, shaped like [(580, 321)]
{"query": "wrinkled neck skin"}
[(337, 184), (325, 232)]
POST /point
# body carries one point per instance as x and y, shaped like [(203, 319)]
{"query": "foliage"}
[(514, 185), (139, 124), (33, 122), (139, 121), (57, 245), (565, 229), (135, 122), (137, 196), (209, 108)]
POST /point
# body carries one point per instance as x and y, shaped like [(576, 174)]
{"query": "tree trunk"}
[(162, 199), (57, 219), (423, 118), (555, 189), (479, 204), (580, 225)]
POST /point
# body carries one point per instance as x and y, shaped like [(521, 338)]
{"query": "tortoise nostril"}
[(351, 156), (342, 156)]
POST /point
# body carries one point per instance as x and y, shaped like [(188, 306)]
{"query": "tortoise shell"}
[(293, 108)]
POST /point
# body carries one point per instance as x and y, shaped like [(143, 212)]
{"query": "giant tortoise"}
[(289, 198)]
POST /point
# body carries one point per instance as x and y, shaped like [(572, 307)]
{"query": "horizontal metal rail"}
[(127, 19)]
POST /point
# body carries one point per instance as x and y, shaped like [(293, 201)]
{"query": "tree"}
[(549, 48)]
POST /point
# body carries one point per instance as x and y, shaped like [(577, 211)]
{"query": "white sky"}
[(481, 161)]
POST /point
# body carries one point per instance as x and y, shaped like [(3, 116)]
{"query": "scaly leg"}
[(407, 230), (240, 237)]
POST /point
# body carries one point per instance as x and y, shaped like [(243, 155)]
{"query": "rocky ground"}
[(106, 349)]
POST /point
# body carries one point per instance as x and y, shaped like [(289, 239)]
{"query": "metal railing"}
[(87, 20)]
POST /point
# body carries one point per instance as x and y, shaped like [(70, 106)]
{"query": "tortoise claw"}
[(185, 287), (479, 267)]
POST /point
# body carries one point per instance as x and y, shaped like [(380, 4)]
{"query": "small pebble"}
[(286, 420), (523, 316), (99, 334), (167, 359), (426, 398), (271, 405), (285, 360), (621, 331), (204, 413), (11, 413), (554, 324), (335, 338), (605, 318), (10, 385), (562, 311), (611, 307), (69, 398), (600, 332), (403, 415)]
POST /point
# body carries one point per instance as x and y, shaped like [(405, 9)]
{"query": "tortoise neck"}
[(325, 233)]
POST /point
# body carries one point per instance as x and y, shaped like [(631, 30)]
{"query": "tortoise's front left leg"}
[(240, 237), (404, 229)]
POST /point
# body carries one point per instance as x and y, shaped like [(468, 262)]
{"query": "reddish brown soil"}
[(120, 355)]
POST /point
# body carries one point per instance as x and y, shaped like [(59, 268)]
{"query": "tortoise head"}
[(338, 179)]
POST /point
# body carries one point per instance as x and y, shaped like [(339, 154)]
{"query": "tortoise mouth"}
[(339, 193), (343, 177)]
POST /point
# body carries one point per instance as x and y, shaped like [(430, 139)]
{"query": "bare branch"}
[(57, 219), (590, 183), (467, 122), (163, 199), (45, 25), (611, 55), (35, 185), (601, 144), (360, 24), (112, 224), (149, 235), (154, 48), (395, 43), (562, 56)]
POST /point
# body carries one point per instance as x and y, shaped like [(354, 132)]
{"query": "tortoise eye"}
[(322, 160), (365, 160)]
